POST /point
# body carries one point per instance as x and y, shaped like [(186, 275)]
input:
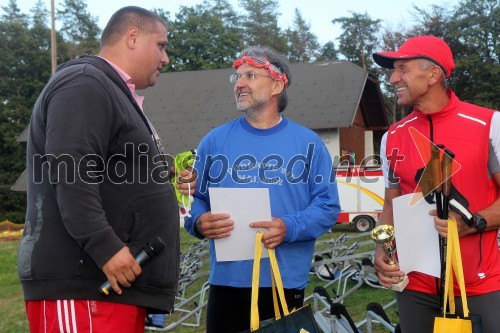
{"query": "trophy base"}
[(401, 285)]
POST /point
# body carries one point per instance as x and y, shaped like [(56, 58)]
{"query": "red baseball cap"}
[(428, 47)]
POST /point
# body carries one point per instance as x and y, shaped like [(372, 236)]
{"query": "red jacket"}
[(465, 130)]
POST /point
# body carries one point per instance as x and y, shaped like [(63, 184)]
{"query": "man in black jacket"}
[(99, 190)]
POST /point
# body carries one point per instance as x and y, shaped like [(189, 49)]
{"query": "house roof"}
[(21, 184), (23, 137), (185, 106)]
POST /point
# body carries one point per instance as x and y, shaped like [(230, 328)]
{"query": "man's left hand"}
[(186, 180), (442, 225), (275, 234)]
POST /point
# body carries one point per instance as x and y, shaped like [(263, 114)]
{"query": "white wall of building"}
[(331, 139)]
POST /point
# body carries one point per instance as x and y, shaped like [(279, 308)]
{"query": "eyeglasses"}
[(249, 76), (274, 71)]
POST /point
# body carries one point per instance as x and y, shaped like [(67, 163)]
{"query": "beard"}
[(253, 108)]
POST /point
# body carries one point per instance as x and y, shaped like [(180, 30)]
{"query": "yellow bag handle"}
[(454, 261), (277, 284), (448, 277)]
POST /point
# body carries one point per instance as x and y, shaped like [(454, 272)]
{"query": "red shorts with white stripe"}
[(84, 316)]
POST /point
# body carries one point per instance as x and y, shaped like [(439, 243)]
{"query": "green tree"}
[(24, 69), (204, 37), (79, 29), (474, 33), (229, 41), (41, 34), (302, 43), (359, 40), (260, 24), (434, 21), (328, 52)]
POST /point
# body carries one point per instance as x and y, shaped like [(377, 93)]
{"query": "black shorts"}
[(417, 310), (228, 308)]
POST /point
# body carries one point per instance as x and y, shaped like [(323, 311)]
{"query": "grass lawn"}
[(14, 318), (11, 297)]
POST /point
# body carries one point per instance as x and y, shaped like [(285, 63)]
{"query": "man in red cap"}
[(421, 68)]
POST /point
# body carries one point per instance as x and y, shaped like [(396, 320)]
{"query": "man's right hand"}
[(388, 274), (214, 226), (121, 270)]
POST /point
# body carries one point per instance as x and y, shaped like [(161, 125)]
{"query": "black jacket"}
[(96, 183)]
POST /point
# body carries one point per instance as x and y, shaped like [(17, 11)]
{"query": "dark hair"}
[(125, 18), (277, 60)]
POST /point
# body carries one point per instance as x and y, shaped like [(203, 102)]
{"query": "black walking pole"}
[(446, 167), (437, 177)]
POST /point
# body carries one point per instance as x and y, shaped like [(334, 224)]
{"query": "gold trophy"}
[(384, 235)]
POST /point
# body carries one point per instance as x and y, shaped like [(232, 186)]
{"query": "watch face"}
[(479, 223)]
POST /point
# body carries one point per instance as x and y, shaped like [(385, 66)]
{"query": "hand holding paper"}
[(213, 226), (244, 205), (417, 239)]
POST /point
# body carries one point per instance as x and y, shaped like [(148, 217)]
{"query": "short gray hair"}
[(427, 63)]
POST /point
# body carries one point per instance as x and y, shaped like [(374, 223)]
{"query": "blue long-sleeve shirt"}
[(295, 165)]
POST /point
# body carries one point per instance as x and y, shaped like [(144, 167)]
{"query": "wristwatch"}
[(478, 222)]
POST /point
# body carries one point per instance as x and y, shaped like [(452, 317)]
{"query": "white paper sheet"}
[(245, 205), (417, 241)]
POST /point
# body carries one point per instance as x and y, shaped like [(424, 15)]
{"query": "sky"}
[(317, 13)]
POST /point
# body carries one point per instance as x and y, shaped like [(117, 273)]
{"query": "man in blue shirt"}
[(263, 149)]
